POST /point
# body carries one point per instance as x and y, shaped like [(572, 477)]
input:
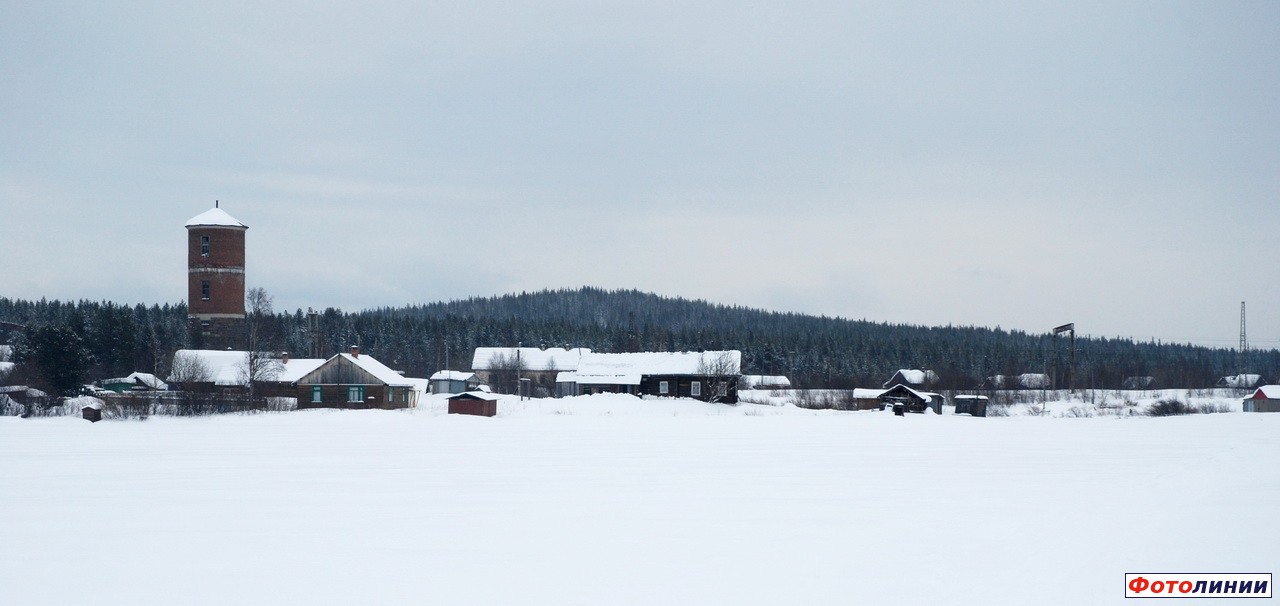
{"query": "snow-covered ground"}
[(613, 500)]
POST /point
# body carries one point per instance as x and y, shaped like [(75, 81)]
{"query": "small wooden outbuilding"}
[(1264, 399), (971, 405), (476, 403)]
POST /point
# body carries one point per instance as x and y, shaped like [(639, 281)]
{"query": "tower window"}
[(204, 246), (204, 290)]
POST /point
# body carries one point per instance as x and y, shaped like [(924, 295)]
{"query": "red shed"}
[(474, 403), (1265, 399)]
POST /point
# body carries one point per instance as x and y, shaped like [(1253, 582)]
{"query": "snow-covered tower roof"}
[(215, 217)]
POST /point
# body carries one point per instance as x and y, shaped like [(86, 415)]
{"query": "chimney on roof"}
[(355, 351), (284, 357)]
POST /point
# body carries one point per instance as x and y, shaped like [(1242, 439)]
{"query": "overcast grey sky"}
[(1023, 164)]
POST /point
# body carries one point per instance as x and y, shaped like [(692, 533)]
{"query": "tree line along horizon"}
[(67, 344)]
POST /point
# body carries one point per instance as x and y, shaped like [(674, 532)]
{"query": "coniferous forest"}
[(87, 340)]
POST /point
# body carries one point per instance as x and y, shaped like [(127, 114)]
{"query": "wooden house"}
[(711, 376), (915, 379), (502, 368), (1138, 383), (1264, 399), (1029, 380), (454, 381), (354, 381), (1241, 381), (764, 382), (138, 381), (911, 400)]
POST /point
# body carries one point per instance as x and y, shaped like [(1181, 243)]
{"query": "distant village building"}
[(911, 400), (1030, 380), (971, 405), (915, 379), (764, 382), (138, 381), (454, 381), (203, 370), (500, 367), (1139, 383), (1264, 399), (215, 280), (354, 381), (710, 376), (867, 399), (1241, 381)]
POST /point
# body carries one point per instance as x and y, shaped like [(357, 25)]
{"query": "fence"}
[(140, 405)]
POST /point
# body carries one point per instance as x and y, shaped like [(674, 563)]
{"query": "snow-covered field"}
[(613, 500)]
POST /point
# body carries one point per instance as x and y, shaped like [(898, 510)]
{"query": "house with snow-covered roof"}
[(1241, 381), (1027, 380), (764, 382), (354, 380), (206, 370), (138, 381), (454, 381), (501, 367), (915, 379), (710, 375)]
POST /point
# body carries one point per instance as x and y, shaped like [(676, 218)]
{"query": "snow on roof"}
[(912, 377), (453, 375), (531, 358), (215, 217), (867, 394), (477, 395), (6, 367), (223, 367), (750, 381), (379, 370), (661, 363), (147, 379), (295, 369), (1270, 392), (1237, 381), (228, 367), (82, 402)]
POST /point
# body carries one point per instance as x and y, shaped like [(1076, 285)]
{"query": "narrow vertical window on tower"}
[(204, 246), (204, 290)]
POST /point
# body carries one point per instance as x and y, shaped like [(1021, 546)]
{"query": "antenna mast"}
[(1244, 343)]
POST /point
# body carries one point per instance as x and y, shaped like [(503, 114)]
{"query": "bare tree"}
[(504, 373), (722, 371), (260, 363)]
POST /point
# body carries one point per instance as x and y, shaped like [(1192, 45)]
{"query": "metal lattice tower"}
[(1244, 343)]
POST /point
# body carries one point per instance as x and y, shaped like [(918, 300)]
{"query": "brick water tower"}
[(215, 280)]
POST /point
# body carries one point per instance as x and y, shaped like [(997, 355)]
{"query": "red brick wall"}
[(226, 289)]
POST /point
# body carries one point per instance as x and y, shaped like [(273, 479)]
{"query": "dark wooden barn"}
[(476, 403)]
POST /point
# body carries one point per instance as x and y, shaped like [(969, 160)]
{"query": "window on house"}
[(695, 390), (664, 387), (355, 393), (204, 246), (204, 290), (204, 325), (317, 394)]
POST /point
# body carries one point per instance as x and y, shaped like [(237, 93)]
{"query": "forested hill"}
[(813, 351), (818, 351)]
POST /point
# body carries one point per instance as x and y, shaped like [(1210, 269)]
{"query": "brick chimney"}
[(284, 357), (355, 351)]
